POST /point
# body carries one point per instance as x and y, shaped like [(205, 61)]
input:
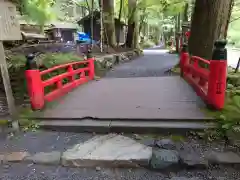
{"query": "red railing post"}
[(90, 60), (184, 59), (34, 84), (217, 76), (70, 71)]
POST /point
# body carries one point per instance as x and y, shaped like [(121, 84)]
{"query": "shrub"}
[(16, 66)]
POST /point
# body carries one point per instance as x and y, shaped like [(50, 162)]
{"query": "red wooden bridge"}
[(132, 104)]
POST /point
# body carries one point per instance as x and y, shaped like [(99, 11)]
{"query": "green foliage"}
[(234, 26), (48, 60), (228, 118), (53, 59), (39, 11), (16, 66), (25, 123)]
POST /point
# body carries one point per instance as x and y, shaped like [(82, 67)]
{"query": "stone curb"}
[(161, 159), (108, 61), (163, 162)]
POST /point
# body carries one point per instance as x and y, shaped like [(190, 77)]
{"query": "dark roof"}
[(33, 35), (96, 15), (62, 25)]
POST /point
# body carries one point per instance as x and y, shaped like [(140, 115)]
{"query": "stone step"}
[(105, 126), (190, 119)]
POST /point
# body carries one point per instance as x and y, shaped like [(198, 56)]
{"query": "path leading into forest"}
[(152, 66), (155, 63)]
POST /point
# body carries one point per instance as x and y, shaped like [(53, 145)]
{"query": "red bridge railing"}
[(207, 77), (42, 89)]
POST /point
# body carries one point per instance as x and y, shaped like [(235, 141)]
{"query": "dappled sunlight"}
[(156, 51)]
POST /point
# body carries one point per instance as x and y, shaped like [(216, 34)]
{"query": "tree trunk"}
[(225, 30), (185, 12), (109, 22), (209, 19), (132, 7), (119, 18), (92, 25), (177, 30), (101, 25), (135, 44)]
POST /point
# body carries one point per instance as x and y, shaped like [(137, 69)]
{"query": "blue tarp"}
[(84, 38)]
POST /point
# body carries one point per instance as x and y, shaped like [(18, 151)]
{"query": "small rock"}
[(172, 174), (148, 142), (29, 165), (193, 160), (221, 178), (230, 86), (45, 158), (166, 144), (137, 137), (164, 158), (98, 168), (184, 178), (6, 166), (222, 157), (13, 156)]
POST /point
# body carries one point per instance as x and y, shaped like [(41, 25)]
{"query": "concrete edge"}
[(125, 127), (195, 119)]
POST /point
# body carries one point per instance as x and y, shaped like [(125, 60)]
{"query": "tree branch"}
[(235, 19)]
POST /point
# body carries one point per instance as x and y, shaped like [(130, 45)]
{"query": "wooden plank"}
[(7, 87), (9, 25), (9, 30)]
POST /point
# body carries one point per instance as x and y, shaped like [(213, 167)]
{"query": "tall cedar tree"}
[(209, 23)]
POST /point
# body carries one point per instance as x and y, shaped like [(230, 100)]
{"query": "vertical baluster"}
[(70, 71)]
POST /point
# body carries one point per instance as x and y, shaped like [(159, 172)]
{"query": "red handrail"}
[(62, 66), (209, 82), (36, 85)]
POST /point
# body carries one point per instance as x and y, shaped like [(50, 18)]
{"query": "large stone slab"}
[(162, 159), (222, 157), (110, 150), (50, 158)]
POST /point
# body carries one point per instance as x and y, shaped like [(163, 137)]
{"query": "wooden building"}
[(62, 32), (85, 22)]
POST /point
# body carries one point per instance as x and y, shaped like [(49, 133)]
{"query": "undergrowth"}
[(25, 123), (16, 67), (228, 120)]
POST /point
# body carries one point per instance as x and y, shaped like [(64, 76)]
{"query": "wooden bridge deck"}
[(145, 98)]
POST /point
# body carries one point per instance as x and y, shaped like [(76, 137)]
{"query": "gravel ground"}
[(155, 62), (37, 172), (41, 141), (49, 141)]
